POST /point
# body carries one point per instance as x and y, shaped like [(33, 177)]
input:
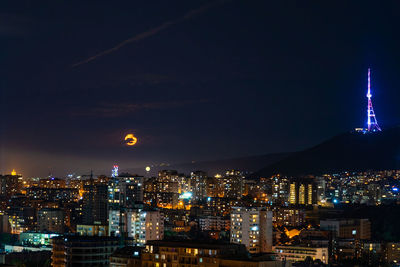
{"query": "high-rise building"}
[(143, 226), (94, 208), (233, 184), (321, 189), (10, 185), (302, 192), (214, 186), (253, 228), (116, 219), (51, 220), (198, 185), (100, 207), (125, 191), (21, 219), (168, 181), (280, 190), (139, 224), (132, 189), (164, 190), (292, 193)]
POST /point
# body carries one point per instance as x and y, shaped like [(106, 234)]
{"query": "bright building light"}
[(186, 195)]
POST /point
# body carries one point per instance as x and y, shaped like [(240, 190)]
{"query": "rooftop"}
[(128, 251)]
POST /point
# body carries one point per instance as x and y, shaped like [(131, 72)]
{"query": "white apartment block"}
[(141, 225), (253, 228)]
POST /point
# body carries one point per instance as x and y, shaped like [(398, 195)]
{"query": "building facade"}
[(51, 220), (141, 225), (302, 192), (348, 228), (300, 253), (253, 228)]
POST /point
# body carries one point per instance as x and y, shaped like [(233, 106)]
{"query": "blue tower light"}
[(114, 171)]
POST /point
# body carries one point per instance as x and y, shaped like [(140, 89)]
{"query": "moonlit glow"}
[(131, 139), (147, 168)]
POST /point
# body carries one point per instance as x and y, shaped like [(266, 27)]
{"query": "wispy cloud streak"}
[(150, 32)]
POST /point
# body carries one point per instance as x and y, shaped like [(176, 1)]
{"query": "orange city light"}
[(131, 139)]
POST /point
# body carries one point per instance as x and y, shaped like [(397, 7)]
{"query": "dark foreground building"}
[(191, 253), (75, 251)]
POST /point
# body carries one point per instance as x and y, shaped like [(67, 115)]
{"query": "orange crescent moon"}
[(132, 138)]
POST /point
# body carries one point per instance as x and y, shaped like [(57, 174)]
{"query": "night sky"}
[(196, 80)]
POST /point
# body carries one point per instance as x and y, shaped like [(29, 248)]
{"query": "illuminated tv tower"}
[(372, 123)]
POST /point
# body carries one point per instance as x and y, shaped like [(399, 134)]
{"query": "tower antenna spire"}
[(372, 123)]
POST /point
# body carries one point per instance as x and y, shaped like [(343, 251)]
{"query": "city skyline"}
[(208, 133)]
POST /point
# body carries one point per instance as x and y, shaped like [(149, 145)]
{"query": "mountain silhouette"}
[(353, 151)]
